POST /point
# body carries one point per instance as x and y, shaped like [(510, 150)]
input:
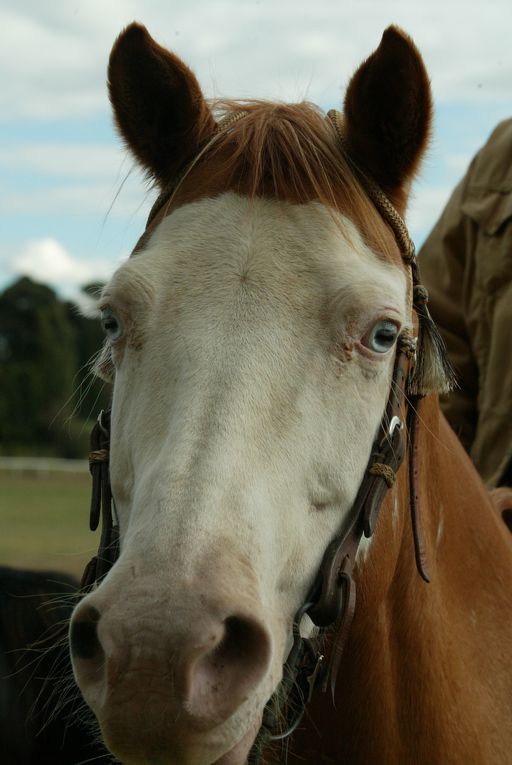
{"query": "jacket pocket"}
[(491, 210)]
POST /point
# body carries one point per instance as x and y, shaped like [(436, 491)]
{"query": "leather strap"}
[(414, 490), (332, 601), (334, 594), (101, 504)]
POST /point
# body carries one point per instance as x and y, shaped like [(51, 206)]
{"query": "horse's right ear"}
[(158, 105), (388, 114)]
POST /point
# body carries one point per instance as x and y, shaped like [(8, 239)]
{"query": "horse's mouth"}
[(191, 750), (239, 753)]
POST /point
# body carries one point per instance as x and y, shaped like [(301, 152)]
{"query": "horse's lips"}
[(239, 753)]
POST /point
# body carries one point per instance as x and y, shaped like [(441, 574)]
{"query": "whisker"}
[(93, 405), (87, 384), (88, 364), (96, 758), (116, 195)]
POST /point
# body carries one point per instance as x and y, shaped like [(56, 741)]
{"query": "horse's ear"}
[(158, 105), (388, 114)]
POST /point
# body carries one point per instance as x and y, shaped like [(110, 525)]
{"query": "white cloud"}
[(73, 179), (47, 260), (70, 160), (54, 55), (53, 60), (48, 69), (101, 200)]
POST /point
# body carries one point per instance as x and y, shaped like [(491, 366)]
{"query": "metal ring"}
[(101, 426), (395, 423)]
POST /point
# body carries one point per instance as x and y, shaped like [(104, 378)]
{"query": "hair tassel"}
[(433, 372)]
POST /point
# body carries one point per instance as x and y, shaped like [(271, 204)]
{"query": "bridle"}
[(331, 601)]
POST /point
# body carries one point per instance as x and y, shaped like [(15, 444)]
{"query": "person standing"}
[(466, 265)]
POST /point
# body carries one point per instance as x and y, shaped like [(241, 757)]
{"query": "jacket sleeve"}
[(446, 263)]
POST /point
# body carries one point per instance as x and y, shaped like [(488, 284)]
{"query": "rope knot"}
[(407, 345), (384, 471), (100, 455), (420, 295)]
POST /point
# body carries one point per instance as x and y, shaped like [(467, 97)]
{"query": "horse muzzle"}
[(182, 683)]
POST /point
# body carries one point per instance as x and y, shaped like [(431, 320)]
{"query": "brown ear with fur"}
[(388, 114), (158, 105)]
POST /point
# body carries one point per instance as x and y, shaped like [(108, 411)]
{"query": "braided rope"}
[(100, 455), (379, 199), (166, 195), (384, 471), (228, 120), (407, 344)]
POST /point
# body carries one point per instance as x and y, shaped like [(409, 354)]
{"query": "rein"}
[(332, 599)]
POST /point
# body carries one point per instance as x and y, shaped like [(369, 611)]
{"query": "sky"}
[(72, 204)]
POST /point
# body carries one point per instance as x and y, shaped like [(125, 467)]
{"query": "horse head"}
[(251, 340)]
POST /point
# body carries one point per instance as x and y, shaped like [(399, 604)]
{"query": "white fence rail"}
[(42, 466)]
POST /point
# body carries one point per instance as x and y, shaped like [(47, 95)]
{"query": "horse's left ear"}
[(158, 105), (388, 114)]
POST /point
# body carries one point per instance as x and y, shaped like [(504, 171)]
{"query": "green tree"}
[(91, 394), (44, 348)]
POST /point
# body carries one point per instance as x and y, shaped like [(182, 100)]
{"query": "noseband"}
[(331, 601)]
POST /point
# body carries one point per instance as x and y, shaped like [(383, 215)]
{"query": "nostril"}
[(224, 676), (83, 634), (244, 645)]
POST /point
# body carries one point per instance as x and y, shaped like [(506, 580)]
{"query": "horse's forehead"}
[(303, 247)]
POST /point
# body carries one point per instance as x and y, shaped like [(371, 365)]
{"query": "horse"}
[(275, 441), (39, 724)]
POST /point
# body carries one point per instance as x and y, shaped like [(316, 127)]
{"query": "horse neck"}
[(420, 654), (466, 542)]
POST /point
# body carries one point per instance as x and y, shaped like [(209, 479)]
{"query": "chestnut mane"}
[(288, 152)]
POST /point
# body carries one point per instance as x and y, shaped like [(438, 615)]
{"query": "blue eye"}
[(382, 336), (112, 327)]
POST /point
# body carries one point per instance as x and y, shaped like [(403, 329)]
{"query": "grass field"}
[(44, 522)]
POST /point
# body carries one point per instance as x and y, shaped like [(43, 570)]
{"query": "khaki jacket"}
[(466, 264)]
